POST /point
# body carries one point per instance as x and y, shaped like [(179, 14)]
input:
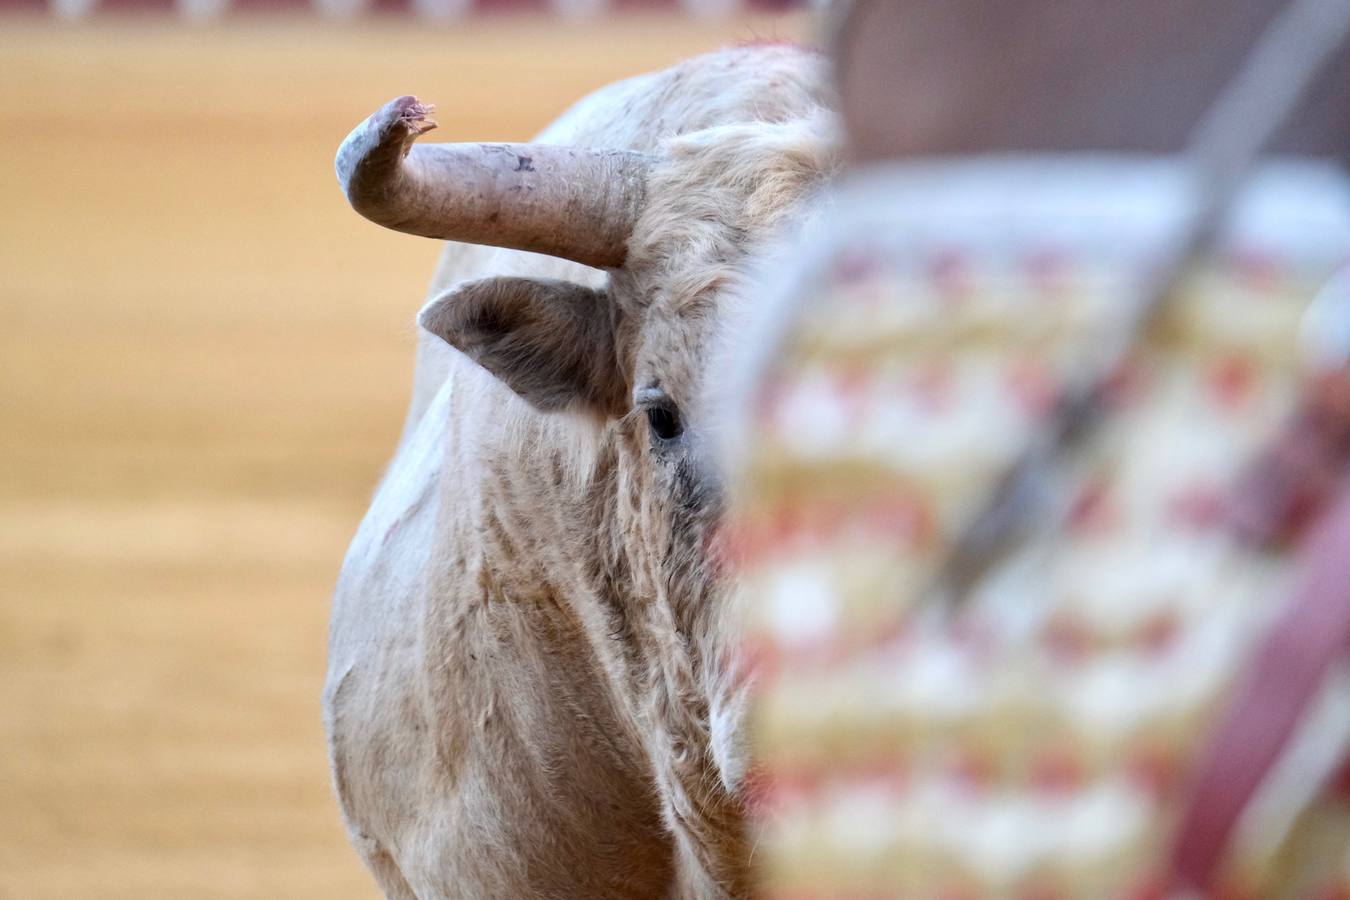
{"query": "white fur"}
[(525, 694)]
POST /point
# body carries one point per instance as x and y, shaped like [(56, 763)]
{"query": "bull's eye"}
[(665, 422)]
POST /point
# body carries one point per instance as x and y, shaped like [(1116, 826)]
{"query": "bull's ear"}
[(552, 342)]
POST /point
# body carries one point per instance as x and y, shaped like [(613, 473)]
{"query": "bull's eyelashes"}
[(664, 422), (663, 416)]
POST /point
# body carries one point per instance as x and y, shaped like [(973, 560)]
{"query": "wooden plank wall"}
[(203, 362)]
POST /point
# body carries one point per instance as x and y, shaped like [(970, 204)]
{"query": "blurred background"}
[(204, 361)]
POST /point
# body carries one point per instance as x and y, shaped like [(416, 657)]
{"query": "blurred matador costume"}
[(1146, 693)]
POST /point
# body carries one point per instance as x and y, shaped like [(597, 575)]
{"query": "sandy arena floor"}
[(203, 364)]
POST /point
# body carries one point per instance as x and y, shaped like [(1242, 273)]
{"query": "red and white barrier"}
[(433, 10)]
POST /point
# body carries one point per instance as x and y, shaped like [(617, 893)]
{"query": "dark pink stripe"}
[(265, 6), (385, 6), (136, 6), (495, 6), (1288, 670)]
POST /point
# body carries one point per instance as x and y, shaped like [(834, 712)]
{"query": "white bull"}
[(527, 692)]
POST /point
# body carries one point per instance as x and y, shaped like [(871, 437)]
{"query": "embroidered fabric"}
[(1039, 741)]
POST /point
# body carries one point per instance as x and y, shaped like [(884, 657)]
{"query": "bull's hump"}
[(731, 86)]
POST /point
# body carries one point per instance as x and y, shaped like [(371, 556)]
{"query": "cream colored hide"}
[(525, 694)]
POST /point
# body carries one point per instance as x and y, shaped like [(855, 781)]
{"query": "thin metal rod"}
[(1222, 149)]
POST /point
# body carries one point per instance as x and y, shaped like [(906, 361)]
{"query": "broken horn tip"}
[(411, 114)]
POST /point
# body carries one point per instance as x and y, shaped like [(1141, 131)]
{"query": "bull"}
[(529, 692)]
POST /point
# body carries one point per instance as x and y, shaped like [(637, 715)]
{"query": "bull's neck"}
[(533, 483), (567, 516)]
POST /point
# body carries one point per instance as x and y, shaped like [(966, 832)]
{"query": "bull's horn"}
[(573, 203)]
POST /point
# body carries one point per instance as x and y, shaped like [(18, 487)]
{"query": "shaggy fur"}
[(526, 693)]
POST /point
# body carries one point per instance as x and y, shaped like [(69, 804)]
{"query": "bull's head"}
[(673, 230)]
